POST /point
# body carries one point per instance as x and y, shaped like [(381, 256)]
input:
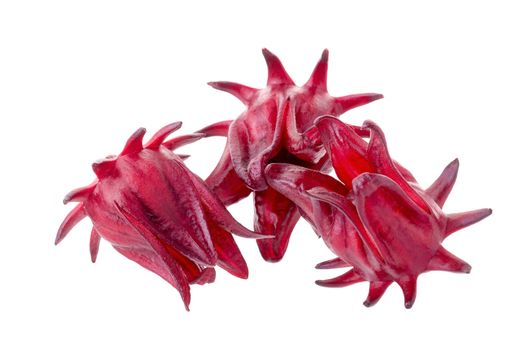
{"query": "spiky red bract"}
[(378, 221), (152, 209), (277, 126)]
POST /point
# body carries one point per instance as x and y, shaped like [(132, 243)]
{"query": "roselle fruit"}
[(277, 126), (378, 221), (153, 210)]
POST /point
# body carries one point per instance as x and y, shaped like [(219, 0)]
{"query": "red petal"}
[(396, 223), (174, 275), (172, 209), (229, 255), (224, 181), (164, 266), (305, 145), (275, 215), (293, 181), (218, 213), (345, 206), (254, 141), (207, 276), (380, 158), (347, 150), (195, 274)]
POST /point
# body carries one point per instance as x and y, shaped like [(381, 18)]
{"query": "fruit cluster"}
[(377, 220)]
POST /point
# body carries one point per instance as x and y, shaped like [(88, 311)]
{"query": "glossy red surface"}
[(153, 210), (277, 126), (378, 220)]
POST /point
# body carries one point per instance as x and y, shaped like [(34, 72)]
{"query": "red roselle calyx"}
[(156, 212), (277, 126), (378, 221)]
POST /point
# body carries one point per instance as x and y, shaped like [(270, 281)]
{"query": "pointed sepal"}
[(319, 75), (276, 72), (74, 217), (332, 264), (375, 292), (216, 129), (183, 140), (459, 221), (441, 188), (443, 260), (408, 285), (242, 92), (80, 194), (158, 138), (104, 167), (343, 280), (183, 156), (345, 103), (94, 243), (134, 143)]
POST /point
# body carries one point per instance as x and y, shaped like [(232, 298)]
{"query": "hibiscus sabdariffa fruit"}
[(277, 126), (378, 220), (153, 210)]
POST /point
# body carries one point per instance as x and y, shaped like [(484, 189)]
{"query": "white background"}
[(77, 77)]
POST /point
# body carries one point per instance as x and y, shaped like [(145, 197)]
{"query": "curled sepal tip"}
[(375, 292), (134, 143), (242, 92), (74, 217), (158, 138)]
